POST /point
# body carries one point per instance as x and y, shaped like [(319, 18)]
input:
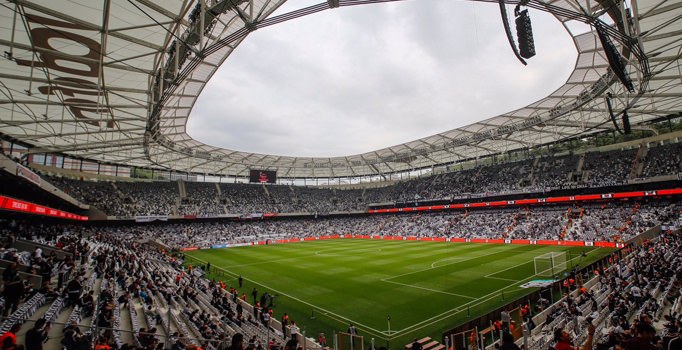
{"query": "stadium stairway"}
[(58, 315), (128, 320), (638, 163), (182, 189), (427, 344)]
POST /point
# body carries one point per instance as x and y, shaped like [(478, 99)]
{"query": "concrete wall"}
[(27, 246)]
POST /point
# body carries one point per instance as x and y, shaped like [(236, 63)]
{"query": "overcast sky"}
[(356, 79)]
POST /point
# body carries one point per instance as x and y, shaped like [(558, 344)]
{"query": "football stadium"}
[(135, 214)]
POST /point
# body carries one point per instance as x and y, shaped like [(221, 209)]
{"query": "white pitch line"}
[(501, 279), (325, 311), (317, 253), (433, 264), (419, 325), (509, 268), (259, 263), (515, 266), (429, 321), (429, 289), (327, 253), (431, 268), (345, 248)]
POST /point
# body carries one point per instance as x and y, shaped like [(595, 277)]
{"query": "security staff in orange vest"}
[(11, 334), (102, 344)]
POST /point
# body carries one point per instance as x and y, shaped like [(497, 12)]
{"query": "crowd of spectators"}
[(184, 311), (102, 195), (123, 198), (110, 273), (554, 171), (150, 198), (615, 222), (623, 308), (609, 168), (663, 160), (246, 198), (604, 222), (201, 199), (620, 309), (594, 169), (541, 224), (485, 178)]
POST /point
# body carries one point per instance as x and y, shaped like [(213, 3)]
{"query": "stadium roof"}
[(115, 81)]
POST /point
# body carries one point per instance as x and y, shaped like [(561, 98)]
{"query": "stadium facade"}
[(115, 82)]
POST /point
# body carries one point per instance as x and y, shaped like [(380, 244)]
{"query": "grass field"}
[(425, 287)]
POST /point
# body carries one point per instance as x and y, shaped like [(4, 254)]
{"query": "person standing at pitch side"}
[(353, 332)]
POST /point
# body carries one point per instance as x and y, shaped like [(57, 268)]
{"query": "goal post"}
[(550, 264)]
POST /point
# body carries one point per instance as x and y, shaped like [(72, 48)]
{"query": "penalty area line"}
[(435, 263), (429, 289), (449, 313), (462, 259), (501, 279)]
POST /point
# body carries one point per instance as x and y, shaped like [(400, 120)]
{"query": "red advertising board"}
[(520, 241), (12, 204), (454, 240), (521, 202)]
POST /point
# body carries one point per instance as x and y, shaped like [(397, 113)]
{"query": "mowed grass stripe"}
[(463, 275), (281, 252), (466, 260), (242, 257), (459, 275), (347, 278), (340, 269), (487, 302), (526, 267), (344, 268)]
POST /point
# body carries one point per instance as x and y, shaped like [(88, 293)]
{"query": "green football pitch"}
[(425, 287)]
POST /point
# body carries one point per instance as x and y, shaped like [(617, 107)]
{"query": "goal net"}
[(550, 264)]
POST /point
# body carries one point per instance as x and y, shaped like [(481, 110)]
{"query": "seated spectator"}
[(8, 340), (72, 337), (178, 343), (10, 272), (37, 335), (73, 291), (88, 304), (14, 290), (646, 335), (237, 342), (50, 293), (507, 342), (564, 342), (102, 344)]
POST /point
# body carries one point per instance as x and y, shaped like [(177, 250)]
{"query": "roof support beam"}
[(34, 79), (80, 22), (29, 48)]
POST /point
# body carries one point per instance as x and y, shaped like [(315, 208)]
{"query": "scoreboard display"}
[(263, 176)]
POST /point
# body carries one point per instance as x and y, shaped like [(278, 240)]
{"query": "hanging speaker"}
[(524, 32), (613, 56)]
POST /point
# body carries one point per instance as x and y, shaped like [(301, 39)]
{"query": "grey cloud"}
[(352, 80)]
